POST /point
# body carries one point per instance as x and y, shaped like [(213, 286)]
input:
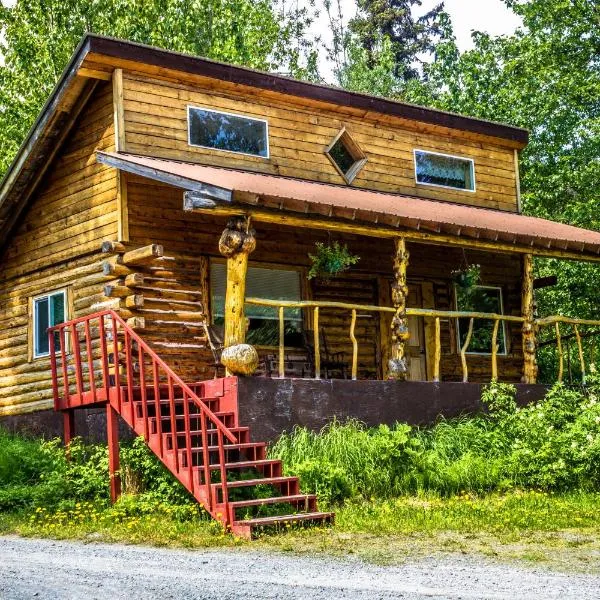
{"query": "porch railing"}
[(436, 316)]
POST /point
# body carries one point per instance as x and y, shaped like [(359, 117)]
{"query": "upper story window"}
[(346, 155), (444, 170), (226, 131), (48, 310)]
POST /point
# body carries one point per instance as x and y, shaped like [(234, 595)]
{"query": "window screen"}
[(271, 284), (47, 311), (480, 299), (443, 170), (224, 131)]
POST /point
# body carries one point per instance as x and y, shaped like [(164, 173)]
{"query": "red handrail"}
[(87, 391)]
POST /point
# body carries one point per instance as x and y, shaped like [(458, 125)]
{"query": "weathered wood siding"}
[(155, 121), (156, 216), (57, 245)]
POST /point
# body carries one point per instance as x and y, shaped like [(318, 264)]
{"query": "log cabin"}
[(162, 218)]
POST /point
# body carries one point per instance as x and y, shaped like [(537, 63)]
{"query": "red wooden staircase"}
[(192, 428)]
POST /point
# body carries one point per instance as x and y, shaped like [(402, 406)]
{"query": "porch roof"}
[(221, 188)]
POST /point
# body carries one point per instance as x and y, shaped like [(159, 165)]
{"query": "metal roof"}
[(336, 202)]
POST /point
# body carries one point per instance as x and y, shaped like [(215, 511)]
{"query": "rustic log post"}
[(530, 367), (398, 368), (236, 243)]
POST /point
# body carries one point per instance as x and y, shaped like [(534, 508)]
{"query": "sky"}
[(490, 16)]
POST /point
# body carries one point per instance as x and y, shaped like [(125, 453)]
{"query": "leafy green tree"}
[(410, 37), (40, 36)]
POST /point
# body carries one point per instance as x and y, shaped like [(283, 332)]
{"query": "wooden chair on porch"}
[(331, 362)]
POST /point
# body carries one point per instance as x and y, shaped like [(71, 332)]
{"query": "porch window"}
[(262, 282), (480, 299), (48, 310), (444, 170), (227, 131)]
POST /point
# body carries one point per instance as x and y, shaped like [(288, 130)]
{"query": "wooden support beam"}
[(438, 351), (398, 367), (236, 243), (112, 431), (495, 350), (68, 426), (559, 349), (529, 328), (144, 255), (463, 352)]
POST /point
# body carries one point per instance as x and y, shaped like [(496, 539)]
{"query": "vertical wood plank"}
[(528, 330), (437, 350), (354, 346), (281, 343), (317, 343), (112, 431), (495, 350), (463, 352), (580, 352)]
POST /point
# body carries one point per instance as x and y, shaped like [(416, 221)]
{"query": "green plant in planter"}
[(467, 278), (331, 260)]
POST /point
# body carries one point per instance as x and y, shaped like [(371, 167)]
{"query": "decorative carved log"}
[(529, 328), (236, 243), (398, 367)]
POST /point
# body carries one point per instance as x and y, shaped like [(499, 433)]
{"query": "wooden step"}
[(245, 464), (294, 499), (262, 481), (283, 519)]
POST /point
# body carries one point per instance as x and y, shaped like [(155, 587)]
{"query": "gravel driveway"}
[(49, 570)]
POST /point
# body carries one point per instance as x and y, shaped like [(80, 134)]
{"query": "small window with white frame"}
[(444, 170), (480, 298), (219, 130), (48, 310)]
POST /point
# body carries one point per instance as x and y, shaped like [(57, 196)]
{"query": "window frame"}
[(34, 327), (355, 151), (230, 114), (504, 351), (447, 187), (263, 265)]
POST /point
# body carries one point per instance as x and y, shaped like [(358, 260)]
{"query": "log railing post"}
[(398, 368), (530, 367), (236, 244), (438, 351), (559, 350)]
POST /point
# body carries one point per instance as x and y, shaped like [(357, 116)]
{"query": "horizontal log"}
[(115, 267), (117, 290), (136, 322), (134, 301), (113, 247), (143, 255), (134, 280)]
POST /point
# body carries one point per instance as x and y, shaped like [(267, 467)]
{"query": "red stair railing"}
[(102, 380)]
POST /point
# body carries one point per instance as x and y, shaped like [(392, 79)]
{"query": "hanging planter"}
[(468, 277), (330, 260)]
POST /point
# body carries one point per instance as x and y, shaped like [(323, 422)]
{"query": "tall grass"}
[(552, 445)]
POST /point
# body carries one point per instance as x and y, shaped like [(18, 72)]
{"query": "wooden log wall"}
[(57, 246), (156, 216), (155, 122)]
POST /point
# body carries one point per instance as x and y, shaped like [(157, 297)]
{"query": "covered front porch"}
[(399, 313)]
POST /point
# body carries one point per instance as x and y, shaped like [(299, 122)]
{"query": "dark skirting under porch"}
[(271, 406)]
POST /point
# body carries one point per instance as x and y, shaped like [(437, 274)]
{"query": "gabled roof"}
[(394, 214), (77, 83)]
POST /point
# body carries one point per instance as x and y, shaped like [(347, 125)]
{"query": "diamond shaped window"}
[(346, 155)]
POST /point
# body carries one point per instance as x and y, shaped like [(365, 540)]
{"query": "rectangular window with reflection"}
[(480, 299), (226, 131), (270, 284), (444, 170), (48, 310)]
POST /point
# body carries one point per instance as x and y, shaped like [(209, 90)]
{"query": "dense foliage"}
[(41, 35), (551, 445)]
